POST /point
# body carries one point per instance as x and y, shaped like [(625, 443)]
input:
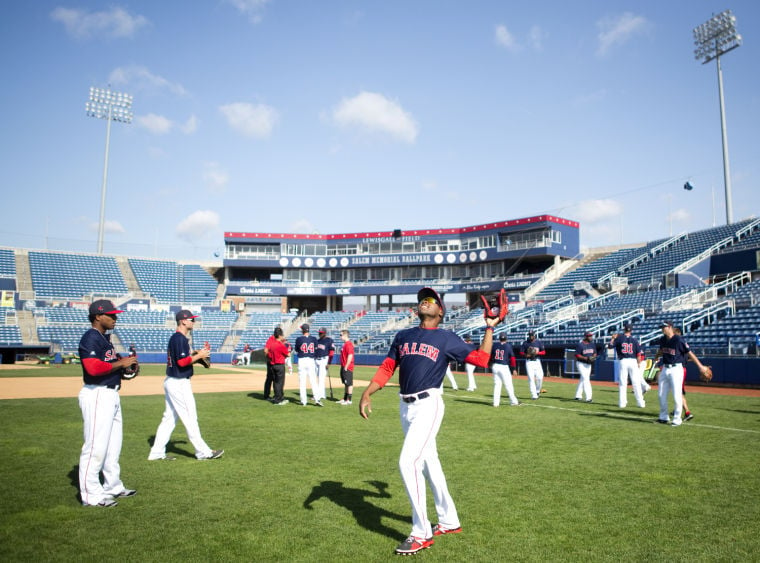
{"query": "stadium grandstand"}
[(707, 282)]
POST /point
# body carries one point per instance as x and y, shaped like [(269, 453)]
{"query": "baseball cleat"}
[(439, 530), (215, 454), (688, 416), (162, 458), (107, 502), (126, 493), (412, 545), (660, 421)]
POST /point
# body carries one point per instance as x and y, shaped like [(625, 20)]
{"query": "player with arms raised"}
[(422, 354)]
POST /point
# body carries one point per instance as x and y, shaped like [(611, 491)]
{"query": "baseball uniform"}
[(533, 366), (628, 351), (503, 364), (179, 401), (674, 351), (306, 346), (322, 355), (101, 414), (585, 353)]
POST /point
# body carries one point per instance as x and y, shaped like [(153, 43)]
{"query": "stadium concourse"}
[(705, 282)]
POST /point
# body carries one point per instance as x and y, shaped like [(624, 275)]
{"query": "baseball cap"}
[(627, 328), (663, 324), (531, 333), (503, 337), (323, 330), (430, 292), (304, 328), (588, 333), (104, 307), (184, 314)]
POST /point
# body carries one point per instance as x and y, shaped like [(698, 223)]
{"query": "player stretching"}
[(422, 354)]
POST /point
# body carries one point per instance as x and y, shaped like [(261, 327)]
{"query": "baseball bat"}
[(327, 371)]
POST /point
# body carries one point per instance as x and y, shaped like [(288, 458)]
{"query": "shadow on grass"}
[(367, 515), (171, 447), (73, 476)]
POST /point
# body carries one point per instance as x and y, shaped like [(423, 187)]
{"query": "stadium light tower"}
[(716, 37), (111, 106)]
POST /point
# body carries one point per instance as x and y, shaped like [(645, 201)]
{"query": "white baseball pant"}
[(101, 414), (452, 381), (535, 373), (180, 405), (584, 385), (470, 369), (419, 462), (671, 381), (307, 369), (321, 367), (502, 374), (629, 368)]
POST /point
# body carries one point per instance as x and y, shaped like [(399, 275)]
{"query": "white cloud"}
[(190, 126), (114, 23), (251, 8), (252, 120), (375, 113), (680, 215), (140, 78), (108, 227), (156, 124), (597, 210), (160, 125), (505, 38), (197, 225), (215, 178), (619, 30), (302, 226), (537, 36)]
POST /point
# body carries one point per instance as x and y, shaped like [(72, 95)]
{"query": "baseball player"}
[(585, 355), (533, 366), (178, 393), (421, 354), (504, 366), (674, 351), (450, 377), (323, 356), (99, 401), (628, 352), (306, 346), (469, 368), (347, 367)]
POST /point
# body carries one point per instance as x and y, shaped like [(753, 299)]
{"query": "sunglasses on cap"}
[(428, 300)]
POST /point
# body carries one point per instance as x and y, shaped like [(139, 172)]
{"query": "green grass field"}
[(553, 480)]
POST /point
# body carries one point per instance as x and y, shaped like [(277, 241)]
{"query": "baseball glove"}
[(706, 373), (205, 362), (131, 372), (531, 352), (497, 310)]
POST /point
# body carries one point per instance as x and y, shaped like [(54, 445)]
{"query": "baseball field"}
[(552, 480)]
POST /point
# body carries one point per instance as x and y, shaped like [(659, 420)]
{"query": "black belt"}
[(418, 397), (116, 386), (670, 365)]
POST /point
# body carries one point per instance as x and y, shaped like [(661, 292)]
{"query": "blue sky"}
[(351, 116)]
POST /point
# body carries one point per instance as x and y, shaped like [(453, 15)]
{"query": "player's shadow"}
[(73, 476), (367, 515), (256, 395), (171, 447)]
